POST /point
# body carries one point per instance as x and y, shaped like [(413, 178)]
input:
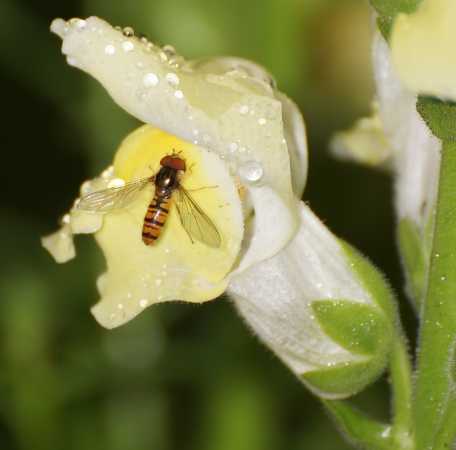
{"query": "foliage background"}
[(179, 377)]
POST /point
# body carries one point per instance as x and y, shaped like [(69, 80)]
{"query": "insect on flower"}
[(168, 189)]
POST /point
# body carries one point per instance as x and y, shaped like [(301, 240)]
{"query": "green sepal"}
[(372, 280), (385, 24), (343, 380), (357, 327), (439, 116), (393, 7), (387, 11), (363, 330), (414, 260)]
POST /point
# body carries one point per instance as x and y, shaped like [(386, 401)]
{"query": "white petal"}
[(417, 151), (270, 229), (275, 296), (295, 135), (233, 113)]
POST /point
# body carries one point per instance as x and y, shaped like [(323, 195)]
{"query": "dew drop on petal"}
[(232, 147), (158, 281), (128, 46), (179, 94), (244, 109), (143, 302), (110, 49), (150, 79), (116, 182), (72, 61), (262, 121), (128, 32), (172, 78), (251, 171)]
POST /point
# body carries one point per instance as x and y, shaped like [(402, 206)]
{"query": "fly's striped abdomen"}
[(155, 219)]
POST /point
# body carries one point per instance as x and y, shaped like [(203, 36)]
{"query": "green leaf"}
[(372, 280), (439, 116), (357, 327), (414, 259)]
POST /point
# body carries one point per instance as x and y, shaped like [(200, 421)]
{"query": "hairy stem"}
[(434, 404), (401, 380)]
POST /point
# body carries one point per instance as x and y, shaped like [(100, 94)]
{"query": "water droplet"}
[(169, 50), (437, 255), (158, 281), (128, 32), (107, 173), (232, 147), (179, 94), (72, 61), (262, 121), (143, 302), (195, 132), (86, 187), (167, 250), (128, 46), (110, 49), (80, 23), (244, 109), (443, 277), (66, 219), (172, 78), (251, 171), (120, 305), (116, 182), (150, 79)]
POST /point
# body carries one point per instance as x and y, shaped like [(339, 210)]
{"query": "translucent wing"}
[(195, 221), (113, 198)]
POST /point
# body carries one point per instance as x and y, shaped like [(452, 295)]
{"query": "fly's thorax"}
[(166, 181)]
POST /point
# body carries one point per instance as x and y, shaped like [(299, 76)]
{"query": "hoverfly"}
[(168, 190)]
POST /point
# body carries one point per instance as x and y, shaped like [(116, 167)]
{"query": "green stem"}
[(435, 408), (401, 381)]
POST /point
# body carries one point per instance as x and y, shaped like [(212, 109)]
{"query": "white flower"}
[(277, 260)]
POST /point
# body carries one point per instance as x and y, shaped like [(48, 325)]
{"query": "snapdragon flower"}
[(398, 138), (320, 306)]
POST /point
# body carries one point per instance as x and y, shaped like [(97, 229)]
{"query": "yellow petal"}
[(173, 268), (60, 244), (422, 47)]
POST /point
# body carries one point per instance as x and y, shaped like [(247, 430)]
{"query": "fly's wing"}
[(113, 198), (195, 221)]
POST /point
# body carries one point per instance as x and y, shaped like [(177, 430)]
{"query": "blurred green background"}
[(179, 377)]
